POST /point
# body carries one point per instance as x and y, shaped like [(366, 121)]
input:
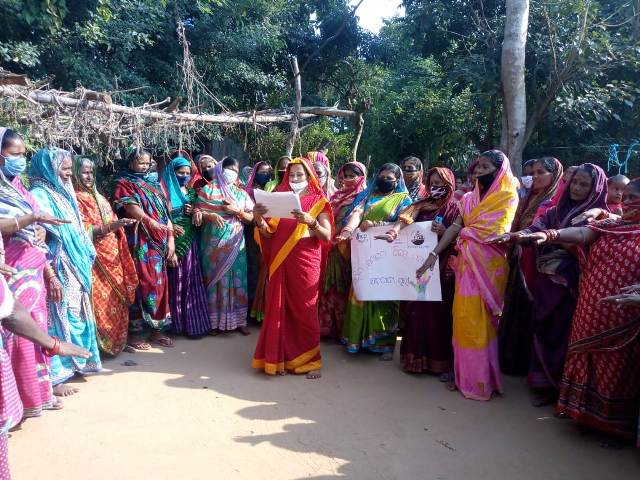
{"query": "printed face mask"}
[(437, 192), (152, 176), (527, 181)]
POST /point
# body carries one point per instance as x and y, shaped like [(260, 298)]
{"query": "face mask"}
[(183, 180), (487, 179), (14, 166), (437, 192), (152, 176), (527, 182), (281, 174), (298, 187), (208, 174), (229, 175), (385, 186), (262, 178)]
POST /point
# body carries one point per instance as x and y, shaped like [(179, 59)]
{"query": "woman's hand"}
[(303, 217), (588, 216), (196, 217), (631, 289), (259, 211), (172, 261), (623, 299), (500, 239), (217, 220), (7, 270), (54, 289), (178, 230), (366, 225), (42, 217), (343, 236), (538, 238), (438, 228), (428, 264), (230, 207), (188, 209), (126, 222), (71, 350), (171, 249), (389, 236), (41, 235)]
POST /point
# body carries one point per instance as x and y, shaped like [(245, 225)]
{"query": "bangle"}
[(15, 219), (433, 252), (552, 235), (53, 351), (393, 233)]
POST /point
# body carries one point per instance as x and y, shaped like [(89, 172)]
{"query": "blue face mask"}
[(183, 180), (14, 166), (152, 176)]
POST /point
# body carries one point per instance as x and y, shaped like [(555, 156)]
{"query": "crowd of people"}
[(540, 276)]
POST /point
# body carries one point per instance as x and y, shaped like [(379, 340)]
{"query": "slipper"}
[(162, 340)]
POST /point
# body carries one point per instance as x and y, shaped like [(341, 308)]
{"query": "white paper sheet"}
[(279, 204)]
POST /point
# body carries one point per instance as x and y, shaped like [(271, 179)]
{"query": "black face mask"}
[(262, 178), (385, 186), (487, 179), (208, 174)]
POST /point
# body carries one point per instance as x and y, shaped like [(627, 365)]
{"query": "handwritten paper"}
[(387, 271), (279, 204)]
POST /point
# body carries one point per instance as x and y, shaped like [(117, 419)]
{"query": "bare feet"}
[(314, 374), (56, 404), (161, 339), (63, 390), (386, 357), (244, 331)]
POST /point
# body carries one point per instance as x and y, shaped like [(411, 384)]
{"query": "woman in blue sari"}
[(72, 254)]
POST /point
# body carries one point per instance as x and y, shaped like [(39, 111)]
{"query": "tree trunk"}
[(514, 109), (297, 84), (358, 136)]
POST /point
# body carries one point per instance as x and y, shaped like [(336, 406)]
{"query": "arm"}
[(323, 228), (352, 224), (449, 236), (9, 226), (103, 230), (571, 235)]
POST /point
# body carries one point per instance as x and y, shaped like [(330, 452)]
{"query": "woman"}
[(515, 328), (319, 158), (224, 207), (555, 282), (426, 335), (373, 325), (290, 335), (70, 311), (151, 242), (336, 279), (256, 270), (114, 273), (413, 174), (205, 165), (281, 168), (188, 297), (600, 384), (20, 219), (481, 272)]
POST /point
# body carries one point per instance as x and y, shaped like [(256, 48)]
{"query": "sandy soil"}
[(199, 412)]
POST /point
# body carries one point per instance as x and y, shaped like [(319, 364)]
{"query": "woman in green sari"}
[(373, 325)]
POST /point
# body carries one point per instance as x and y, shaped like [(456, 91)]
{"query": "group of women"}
[(538, 281)]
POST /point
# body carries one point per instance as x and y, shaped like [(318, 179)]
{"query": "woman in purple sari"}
[(556, 282)]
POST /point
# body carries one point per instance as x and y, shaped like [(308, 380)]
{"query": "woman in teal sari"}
[(373, 325), (223, 207), (72, 255)]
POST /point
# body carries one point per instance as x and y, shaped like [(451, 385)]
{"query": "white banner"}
[(387, 271)]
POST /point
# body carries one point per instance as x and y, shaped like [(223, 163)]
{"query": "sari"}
[(224, 261), (72, 254), (515, 336), (114, 276), (30, 365), (600, 384), (148, 248), (481, 272), (336, 278), (373, 325), (290, 334), (555, 287), (427, 326), (187, 295)]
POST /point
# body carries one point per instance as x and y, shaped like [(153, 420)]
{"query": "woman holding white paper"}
[(222, 207), (373, 325)]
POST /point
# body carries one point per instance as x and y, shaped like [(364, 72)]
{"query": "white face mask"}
[(527, 181), (298, 187), (229, 175)]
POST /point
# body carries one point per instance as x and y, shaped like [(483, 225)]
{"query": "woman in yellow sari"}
[(481, 272)]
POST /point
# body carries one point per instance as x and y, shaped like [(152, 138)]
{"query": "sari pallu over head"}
[(250, 185), (484, 218), (177, 201), (347, 194), (228, 239), (429, 203), (71, 238), (286, 232)]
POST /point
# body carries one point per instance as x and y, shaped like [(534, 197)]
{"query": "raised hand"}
[(42, 217)]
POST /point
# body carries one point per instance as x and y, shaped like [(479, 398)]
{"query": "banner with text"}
[(387, 271)]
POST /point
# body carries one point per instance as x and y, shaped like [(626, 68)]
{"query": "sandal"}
[(162, 340), (138, 345)]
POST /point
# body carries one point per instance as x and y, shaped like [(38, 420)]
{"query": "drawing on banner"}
[(387, 271)]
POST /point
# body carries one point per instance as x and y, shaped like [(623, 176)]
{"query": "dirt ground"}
[(198, 411)]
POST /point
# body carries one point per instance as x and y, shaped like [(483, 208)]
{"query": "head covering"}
[(321, 159), (177, 199), (428, 203), (347, 194), (504, 180), (314, 183), (417, 190), (196, 179), (372, 188), (45, 168), (244, 174), (531, 203), (218, 176), (252, 178), (78, 162)]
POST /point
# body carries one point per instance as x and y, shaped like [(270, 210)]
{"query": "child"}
[(616, 186)]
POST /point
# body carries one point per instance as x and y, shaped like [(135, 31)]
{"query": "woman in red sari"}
[(291, 247), (600, 384)]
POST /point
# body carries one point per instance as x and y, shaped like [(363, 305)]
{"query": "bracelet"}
[(433, 252), (393, 233), (53, 351), (552, 235), (15, 219)]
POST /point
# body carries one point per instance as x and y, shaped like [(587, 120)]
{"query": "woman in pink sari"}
[(481, 272)]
